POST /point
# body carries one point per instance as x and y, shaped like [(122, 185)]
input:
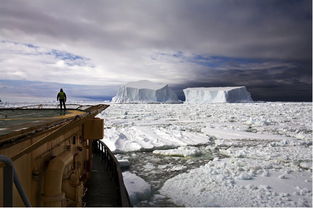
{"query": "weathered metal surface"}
[(106, 171), (33, 149), (13, 120), (92, 127), (10, 176)]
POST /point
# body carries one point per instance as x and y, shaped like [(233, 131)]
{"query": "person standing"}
[(62, 98)]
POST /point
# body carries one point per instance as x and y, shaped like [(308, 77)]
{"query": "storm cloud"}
[(263, 45)]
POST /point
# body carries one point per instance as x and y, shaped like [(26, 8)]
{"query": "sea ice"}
[(143, 137), (261, 142), (222, 183), (180, 151), (137, 188)]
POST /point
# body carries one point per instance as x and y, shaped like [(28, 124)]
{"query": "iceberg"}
[(145, 92), (204, 95)]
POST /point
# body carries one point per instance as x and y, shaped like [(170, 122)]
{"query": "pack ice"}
[(203, 95), (145, 92)]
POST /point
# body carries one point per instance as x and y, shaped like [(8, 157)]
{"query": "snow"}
[(183, 151), (229, 182), (217, 95), (235, 137), (145, 137), (257, 154), (145, 92), (136, 187)]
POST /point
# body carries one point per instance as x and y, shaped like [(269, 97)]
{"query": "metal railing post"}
[(20, 189), (111, 164), (10, 175), (7, 186)]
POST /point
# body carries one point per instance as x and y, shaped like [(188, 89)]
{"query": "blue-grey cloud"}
[(28, 49), (199, 42)]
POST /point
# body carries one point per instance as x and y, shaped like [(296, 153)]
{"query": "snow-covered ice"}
[(231, 182), (180, 151), (148, 137), (137, 188), (145, 92), (202, 95), (247, 154)]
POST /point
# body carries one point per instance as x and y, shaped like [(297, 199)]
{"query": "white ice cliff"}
[(145, 92), (217, 95)]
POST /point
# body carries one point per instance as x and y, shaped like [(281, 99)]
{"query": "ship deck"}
[(14, 120), (102, 189)]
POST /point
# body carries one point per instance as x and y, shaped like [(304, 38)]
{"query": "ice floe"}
[(180, 151), (136, 187)]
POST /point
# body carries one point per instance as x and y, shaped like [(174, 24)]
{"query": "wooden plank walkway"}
[(102, 190)]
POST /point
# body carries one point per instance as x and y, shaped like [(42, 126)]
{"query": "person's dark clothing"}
[(62, 98), (62, 102)]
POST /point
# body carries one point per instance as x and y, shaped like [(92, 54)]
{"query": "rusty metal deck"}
[(12, 120), (102, 189)]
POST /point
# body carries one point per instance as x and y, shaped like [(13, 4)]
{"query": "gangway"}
[(105, 171)]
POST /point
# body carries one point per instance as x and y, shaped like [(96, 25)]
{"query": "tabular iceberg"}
[(203, 95), (145, 92)]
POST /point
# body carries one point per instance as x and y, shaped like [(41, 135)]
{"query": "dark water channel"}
[(156, 169)]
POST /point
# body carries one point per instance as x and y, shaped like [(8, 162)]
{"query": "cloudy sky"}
[(91, 47)]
